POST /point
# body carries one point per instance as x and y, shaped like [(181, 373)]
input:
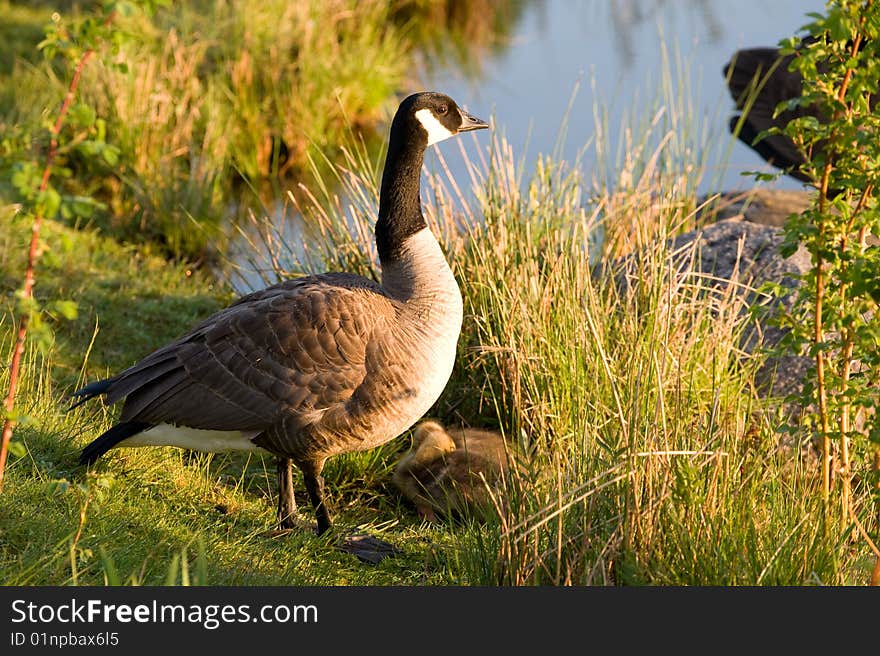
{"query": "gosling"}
[(453, 472)]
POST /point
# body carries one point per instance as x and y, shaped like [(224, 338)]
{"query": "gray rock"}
[(733, 254), (743, 255), (735, 257)]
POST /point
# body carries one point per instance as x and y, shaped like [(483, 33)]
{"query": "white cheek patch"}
[(435, 129)]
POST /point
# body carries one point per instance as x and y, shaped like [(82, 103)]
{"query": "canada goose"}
[(762, 76), (451, 470), (315, 366)]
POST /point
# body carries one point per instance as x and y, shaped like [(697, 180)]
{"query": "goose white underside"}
[(194, 438), (435, 129)]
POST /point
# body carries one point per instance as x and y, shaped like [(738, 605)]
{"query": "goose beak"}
[(469, 122)]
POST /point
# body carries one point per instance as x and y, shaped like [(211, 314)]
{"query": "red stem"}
[(33, 256)]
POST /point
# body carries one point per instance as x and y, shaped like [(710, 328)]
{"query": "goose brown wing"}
[(294, 348)]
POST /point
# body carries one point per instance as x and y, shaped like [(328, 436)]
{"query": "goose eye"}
[(442, 110)]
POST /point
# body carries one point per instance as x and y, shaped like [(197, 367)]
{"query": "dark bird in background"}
[(319, 365), (762, 76)]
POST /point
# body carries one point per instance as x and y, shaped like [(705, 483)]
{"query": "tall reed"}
[(649, 458)]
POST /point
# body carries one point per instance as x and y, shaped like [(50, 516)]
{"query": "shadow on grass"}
[(143, 506)]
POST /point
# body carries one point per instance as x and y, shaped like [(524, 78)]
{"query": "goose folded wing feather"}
[(292, 346)]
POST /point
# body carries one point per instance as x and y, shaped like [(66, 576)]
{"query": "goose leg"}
[(286, 502), (315, 487), (367, 548)]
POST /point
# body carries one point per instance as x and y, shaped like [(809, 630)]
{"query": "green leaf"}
[(26, 305), (874, 434), (47, 203), (201, 575), (24, 178), (111, 155), (173, 569), (109, 567), (124, 8), (16, 448), (41, 334), (67, 309), (101, 129), (82, 115)]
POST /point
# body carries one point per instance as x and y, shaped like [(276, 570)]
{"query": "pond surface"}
[(612, 52), (615, 47)]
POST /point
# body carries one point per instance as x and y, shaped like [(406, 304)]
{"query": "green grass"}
[(648, 457), (218, 99), (144, 506), (651, 459), (20, 31)]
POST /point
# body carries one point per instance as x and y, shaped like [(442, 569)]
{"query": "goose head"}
[(432, 117), (431, 441)]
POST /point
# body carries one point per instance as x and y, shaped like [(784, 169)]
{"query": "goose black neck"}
[(400, 207)]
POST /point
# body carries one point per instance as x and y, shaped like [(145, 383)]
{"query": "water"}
[(618, 43), (611, 49)]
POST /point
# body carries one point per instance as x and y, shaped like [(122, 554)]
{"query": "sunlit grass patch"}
[(648, 458)]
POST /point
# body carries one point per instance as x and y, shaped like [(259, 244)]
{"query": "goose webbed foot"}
[(368, 548)]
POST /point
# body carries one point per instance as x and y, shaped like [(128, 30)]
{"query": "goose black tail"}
[(109, 439), (90, 391)]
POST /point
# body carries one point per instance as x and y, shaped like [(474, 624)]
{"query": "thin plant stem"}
[(818, 333), (846, 333), (33, 256), (875, 574)]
